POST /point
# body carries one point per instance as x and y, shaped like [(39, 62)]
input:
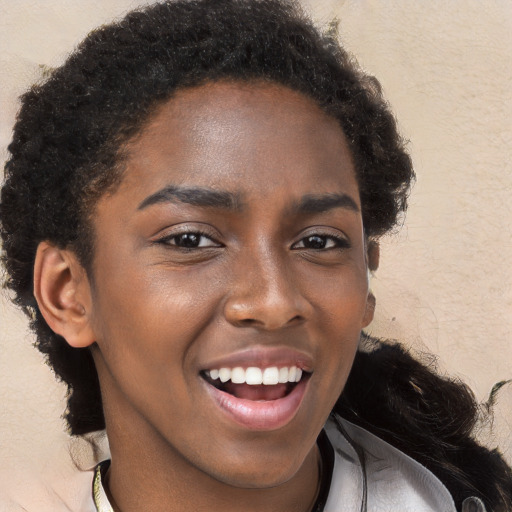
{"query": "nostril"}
[(248, 321), (269, 324), (296, 319)]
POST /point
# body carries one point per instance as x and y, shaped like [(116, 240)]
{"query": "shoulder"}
[(380, 474)]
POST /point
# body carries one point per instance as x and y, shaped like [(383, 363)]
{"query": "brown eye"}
[(319, 242), (315, 242), (189, 240)]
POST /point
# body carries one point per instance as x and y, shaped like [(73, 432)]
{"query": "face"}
[(230, 280)]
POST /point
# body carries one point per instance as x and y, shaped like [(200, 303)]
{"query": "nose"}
[(266, 294)]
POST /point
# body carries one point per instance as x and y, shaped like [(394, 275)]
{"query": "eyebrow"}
[(319, 203), (196, 196), (211, 198)]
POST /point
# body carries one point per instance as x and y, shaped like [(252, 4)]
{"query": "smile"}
[(257, 398), (254, 375), (253, 383)]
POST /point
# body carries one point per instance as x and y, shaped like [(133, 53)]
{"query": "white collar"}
[(392, 477)]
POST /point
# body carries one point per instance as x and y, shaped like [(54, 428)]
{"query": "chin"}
[(252, 472), (261, 479)]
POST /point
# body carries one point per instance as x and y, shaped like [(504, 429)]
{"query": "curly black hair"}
[(67, 147)]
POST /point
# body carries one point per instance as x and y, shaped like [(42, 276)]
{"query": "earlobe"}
[(370, 309), (62, 291)]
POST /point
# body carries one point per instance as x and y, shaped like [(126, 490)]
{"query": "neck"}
[(145, 476)]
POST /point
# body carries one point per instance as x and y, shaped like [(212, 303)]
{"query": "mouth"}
[(257, 384), (257, 398)]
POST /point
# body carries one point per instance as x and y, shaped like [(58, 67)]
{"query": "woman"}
[(201, 188)]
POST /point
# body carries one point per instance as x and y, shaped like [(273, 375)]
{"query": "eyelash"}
[(336, 241), (166, 240)]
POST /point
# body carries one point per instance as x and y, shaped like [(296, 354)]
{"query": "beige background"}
[(445, 282)]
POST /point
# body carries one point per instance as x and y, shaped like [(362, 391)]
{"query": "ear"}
[(63, 293), (372, 258)]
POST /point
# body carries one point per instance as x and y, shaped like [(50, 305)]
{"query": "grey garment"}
[(394, 481)]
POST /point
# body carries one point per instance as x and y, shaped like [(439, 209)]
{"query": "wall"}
[(445, 282)]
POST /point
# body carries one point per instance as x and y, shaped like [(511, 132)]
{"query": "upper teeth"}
[(255, 376)]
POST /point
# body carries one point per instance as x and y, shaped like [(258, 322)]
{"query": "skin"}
[(155, 314)]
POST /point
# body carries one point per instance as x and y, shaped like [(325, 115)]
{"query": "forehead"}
[(253, 137)]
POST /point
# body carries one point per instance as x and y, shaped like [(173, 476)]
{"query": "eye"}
[(189, 240), (321, 242)]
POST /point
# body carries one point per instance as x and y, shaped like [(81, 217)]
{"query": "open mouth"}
[(256, 384)]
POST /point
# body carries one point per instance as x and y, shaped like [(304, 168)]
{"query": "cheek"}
[(153, 299), (146, 325), (144, 336), (340, 299), (341, 306)]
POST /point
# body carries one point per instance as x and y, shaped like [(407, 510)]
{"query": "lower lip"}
[(256, 415)]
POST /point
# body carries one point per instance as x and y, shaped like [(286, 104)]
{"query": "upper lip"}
[(263, 357)]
